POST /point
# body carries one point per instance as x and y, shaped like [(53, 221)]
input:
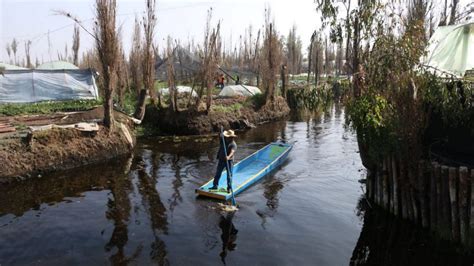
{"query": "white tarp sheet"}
[(239, 90), (451, 49), (180, 89), (23, 86)]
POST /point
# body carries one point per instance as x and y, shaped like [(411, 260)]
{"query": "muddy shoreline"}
[(60, 149), (188, 122), (32, 154)]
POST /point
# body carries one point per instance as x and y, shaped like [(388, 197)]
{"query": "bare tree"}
[(122, 75), (27, 53), (75, 45), (148, 68), (271, 60), (9, 52), (339, 57), (317, 58), (293, 51), (347, 25), (14, 46), (66, 51), (135, 59), (106, 36), (210, 53), (453, 15), (147, 59), (171, 76), (310, 55)]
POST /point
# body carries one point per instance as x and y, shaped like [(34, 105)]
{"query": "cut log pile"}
[(5, 128)]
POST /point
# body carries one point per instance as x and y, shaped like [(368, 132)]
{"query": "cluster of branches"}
[(384, 44)]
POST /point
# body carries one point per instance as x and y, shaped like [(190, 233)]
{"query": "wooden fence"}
[(435, 196)]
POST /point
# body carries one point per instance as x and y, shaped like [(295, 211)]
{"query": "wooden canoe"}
[(249, 170)]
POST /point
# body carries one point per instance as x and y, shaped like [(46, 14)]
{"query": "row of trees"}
[(13, 46)]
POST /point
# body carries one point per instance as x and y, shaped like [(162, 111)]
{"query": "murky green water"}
[(143, 210)]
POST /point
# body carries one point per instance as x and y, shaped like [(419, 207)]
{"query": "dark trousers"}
[(220, 167)]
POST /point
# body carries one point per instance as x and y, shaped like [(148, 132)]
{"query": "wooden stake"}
[(376, 186), (385, 184), (379, 187), (433, 195), (422, 194), (411, 196), (403, 199), (453, 195), (445, 223), (390, 181), (471, 222), (463, 204), (395, 186)]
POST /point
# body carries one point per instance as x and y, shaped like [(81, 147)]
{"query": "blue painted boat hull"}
[(250, 170)]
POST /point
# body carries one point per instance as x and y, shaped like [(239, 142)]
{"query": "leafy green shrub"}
[(454, 100), (257, 100), (310, 98), (233, 108), (372, 116), (47, 107)]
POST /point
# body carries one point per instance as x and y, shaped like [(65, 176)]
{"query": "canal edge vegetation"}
[(400, 111)]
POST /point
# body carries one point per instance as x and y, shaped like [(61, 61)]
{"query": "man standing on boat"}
[(231, 147)]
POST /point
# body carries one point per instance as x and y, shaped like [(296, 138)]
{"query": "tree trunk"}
[(283, 81), (355, 59), (348, 40), (453, 15), (109, 107), (141, 105), (310, 57), (209, 96)]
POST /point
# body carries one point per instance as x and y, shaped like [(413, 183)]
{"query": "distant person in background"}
[(221, 81), (237, 80)]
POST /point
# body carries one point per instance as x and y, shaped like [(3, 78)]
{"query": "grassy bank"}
[(13, 109)]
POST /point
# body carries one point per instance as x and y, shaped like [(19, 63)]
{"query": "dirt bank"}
[(189, 122), (29, 153)]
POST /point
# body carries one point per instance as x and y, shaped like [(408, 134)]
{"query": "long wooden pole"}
[(395, 186), (432, 197), (422, 194), (471, 221), (446, 204), (463, 203), (453, 197)]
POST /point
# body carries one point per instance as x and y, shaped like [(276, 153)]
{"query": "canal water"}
[(143, 210)]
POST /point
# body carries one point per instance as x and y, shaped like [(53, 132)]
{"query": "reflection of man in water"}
[(228, 236)]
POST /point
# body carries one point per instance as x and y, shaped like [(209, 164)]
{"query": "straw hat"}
[(229, 134)]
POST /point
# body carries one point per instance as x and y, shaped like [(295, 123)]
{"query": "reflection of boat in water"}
[(249, 170)]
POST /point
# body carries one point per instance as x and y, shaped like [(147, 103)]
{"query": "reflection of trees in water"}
[(154, 207), (19, 197), (386, 240), (264, 133), (338, 110), (177, 183), (271, 188), (229, 234), (119, 208)]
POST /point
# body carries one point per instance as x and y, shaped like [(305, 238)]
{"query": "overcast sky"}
[(181, 19)]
